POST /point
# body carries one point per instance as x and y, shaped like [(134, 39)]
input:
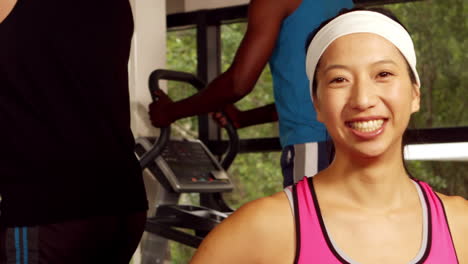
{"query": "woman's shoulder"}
[(456, 208), (267, 214), (263, 225)]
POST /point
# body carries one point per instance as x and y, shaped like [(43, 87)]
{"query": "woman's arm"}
[(261, 231)]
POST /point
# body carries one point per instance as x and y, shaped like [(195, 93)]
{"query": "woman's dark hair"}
[(343, 11), (330, 145)]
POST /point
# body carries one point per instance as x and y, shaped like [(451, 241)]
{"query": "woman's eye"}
[(338, 80), (384, 74)]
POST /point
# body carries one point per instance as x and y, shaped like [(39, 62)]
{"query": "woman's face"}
[(364, 94)]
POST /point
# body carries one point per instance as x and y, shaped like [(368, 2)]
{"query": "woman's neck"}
[(374, 183)]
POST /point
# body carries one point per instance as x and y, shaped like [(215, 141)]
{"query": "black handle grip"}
[(157, 148), (234, 146), (173, 76)]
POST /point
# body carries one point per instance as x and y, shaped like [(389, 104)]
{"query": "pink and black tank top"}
[(314, 244)]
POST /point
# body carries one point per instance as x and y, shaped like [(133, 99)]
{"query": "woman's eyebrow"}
[(387, 61), (335, 66), (344, 67)]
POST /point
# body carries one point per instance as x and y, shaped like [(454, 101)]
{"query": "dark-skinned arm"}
[(264, 22), (260, 115), (241, 119)]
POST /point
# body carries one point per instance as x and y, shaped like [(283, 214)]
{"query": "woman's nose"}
[(363, 95)]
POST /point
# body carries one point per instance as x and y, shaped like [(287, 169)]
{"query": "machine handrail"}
[(171, 75)]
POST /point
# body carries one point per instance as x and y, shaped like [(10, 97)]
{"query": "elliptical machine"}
[(184, 166)]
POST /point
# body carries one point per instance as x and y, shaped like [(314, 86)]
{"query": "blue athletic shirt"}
[(297, 121)]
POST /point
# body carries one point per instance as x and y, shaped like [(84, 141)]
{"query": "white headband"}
[(360, 22)]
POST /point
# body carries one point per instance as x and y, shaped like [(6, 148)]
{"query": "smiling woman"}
[(365, 207), (366, 98)]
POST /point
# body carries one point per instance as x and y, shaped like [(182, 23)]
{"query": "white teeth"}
[(367, 126)]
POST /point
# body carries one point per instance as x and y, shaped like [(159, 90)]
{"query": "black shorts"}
[(100, 239)]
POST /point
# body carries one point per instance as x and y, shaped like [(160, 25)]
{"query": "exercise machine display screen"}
[(189, 166)]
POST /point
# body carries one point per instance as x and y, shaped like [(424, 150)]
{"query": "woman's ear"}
[(416, 101)]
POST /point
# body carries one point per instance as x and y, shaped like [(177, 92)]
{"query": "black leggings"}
[(94, 240)]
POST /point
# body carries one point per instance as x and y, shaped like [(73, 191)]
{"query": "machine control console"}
[(187, 165)]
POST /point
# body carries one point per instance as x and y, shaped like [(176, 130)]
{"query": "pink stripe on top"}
[(441, 249), (315, 246), (312, 246)]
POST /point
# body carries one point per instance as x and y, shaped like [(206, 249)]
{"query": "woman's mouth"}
[(366, 126)]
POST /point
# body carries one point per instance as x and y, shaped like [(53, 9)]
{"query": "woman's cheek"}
[(399, 96)]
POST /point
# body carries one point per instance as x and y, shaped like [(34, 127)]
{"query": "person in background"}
[(71, 188), (365, 207), (276, 33)]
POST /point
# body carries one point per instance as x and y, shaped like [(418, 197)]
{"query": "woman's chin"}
[(368, 152)]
